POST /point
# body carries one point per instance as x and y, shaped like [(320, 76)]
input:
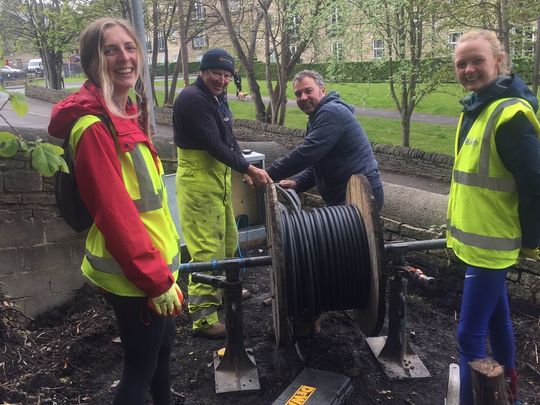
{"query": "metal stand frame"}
[(237, 370), (394, 352)]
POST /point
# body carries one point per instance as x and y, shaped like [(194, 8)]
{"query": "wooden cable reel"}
[(371, 316)]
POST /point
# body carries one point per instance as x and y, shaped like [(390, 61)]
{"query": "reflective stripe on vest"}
[(485, 242), (482, 178), (111, 266), (149, 200)]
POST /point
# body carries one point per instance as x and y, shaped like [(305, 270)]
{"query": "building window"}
[(337, 51), (200, 41), (378, 48), (523, 40), (453, 39), (198, 12), (161, 43), (293, 49)]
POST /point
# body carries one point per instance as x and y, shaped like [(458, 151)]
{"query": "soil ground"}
[(70, 356)]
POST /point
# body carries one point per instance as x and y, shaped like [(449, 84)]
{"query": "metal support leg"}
[(236, 370), (394, 352)]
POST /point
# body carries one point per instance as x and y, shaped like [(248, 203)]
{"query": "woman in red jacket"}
[(131, 251)]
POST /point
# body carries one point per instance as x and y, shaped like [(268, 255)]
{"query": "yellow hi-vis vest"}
[(145, 186), (483, 220)]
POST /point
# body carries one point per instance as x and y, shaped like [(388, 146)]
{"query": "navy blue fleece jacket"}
[(335, 147), (517, 145)]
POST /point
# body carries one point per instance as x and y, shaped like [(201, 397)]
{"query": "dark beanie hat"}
[(217, 58)]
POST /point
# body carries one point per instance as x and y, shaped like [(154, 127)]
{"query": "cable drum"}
[(326, 259)]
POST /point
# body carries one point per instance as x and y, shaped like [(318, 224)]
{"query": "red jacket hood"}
[(87, 101)]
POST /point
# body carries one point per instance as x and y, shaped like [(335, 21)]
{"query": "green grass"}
[(444, 101)]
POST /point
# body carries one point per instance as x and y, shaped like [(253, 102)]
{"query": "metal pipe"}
[(234, 263), (259, 261), (415, 245)]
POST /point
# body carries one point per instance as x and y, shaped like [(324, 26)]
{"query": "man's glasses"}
[(225, 76)]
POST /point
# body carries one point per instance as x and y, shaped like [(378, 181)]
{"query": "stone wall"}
[(39, 254)]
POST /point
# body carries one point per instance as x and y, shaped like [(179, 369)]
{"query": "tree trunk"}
[(155, 49), (488, 382), (536, 73), (246, 60), (406, 127), (166, 69), (174, 79)]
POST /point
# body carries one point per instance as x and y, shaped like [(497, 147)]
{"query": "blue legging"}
[(484, 311)]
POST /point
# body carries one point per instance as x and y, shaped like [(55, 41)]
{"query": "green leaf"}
[(9, 144), (46, 159), (18, 103), (53, 148)]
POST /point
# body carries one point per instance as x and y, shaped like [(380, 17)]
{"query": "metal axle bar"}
[(415, 245), (226, 264), (237, 263)]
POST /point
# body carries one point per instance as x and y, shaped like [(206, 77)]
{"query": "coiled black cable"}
[(327, 260)]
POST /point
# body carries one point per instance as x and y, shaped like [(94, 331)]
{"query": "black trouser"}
[(147, 340)]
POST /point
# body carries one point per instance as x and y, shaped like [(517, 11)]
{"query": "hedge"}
[(372, 71)]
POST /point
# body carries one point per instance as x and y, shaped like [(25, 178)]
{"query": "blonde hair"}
[(94, 66), (496, 46)]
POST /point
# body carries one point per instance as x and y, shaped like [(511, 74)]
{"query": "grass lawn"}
[(427, 137), (444, 101)]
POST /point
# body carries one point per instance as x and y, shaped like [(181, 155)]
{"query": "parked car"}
[(34, 66), (8, 71)]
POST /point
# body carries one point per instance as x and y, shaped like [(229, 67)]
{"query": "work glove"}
[(530, 253), (169, 303)]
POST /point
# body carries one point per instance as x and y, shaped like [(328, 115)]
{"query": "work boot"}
[(216, 331)]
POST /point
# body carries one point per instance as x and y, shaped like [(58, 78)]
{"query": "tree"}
[(191, 23), (402, 26), (52, 25), (512, 20), (287, 28), (289, 31)]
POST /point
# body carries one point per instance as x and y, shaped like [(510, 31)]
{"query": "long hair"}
[(94, 65), (496, 46)]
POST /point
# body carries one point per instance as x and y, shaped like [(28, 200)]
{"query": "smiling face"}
[(120, 53), (476, 64), (216, 80), (308, 94)]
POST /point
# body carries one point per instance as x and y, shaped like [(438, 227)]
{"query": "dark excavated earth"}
[(70, 355)]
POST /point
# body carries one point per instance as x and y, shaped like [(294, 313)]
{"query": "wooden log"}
[(488, 382)]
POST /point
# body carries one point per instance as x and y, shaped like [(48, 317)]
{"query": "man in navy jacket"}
[(335, 146)]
